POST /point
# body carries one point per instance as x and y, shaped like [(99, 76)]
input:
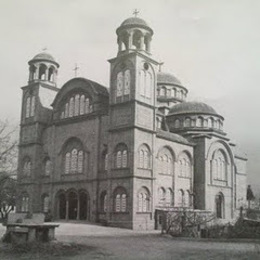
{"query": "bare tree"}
[(249, 195), (8, 166)]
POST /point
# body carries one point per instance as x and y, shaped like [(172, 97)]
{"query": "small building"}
[(118, 154)]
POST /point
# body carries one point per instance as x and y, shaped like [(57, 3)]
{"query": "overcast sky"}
[(212, 46)]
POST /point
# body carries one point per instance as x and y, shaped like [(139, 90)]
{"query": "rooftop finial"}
[(136, 12), (44, 49), (160, 66), (76, 68)]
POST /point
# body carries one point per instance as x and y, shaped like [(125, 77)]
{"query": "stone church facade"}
[(118, 154)]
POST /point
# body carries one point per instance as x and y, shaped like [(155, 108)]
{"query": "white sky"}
[(212, 46)]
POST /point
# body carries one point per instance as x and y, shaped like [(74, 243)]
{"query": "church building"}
[(117, 154)]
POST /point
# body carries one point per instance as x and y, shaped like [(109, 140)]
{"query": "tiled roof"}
[(173, 137)]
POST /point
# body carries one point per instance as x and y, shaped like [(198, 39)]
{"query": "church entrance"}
[(83, 205), (220, 205), (62, 206), (73, 205)]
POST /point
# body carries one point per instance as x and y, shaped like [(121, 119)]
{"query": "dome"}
[(43, 56), (167, 78), (134, 22), (192, 108)]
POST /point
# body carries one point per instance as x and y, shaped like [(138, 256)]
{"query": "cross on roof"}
[(136, 12), (76, 68), (44, 49)]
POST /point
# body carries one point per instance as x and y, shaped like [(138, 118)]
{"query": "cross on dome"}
[(76, 68), (136, 12)]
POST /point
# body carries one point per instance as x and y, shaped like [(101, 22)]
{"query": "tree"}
[(8, 166), (249, 195)]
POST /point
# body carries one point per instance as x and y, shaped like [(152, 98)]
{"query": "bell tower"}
[(132, 110), (36, 112)]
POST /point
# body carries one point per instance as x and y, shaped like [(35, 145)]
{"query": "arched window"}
[(177, 123), (165, 161), (42, 72), (211, 123), (103, 202), (163, 91), (187, 122), (219, 201), (181, 198), (71, 107), (185, 168), (66, 114), (121, 156), (47, 167), (148, 84), (169, 197), (120, 200), (219, 166), (51, 74), (27, 167), (199, 122), (188, 199), (73, 158), (144, 157), (142, 83), (30, 106), (143, 200), (25, 202), (161, 193), (46, 204)]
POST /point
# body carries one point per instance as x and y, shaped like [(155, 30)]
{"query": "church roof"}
[(192, 108), (173, 137), (167, 78)]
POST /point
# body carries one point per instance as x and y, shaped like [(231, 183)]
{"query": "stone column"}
[(46, 73), (130, 40), (148, 46), (142, 42), (120, 45), (78, 208), (67, 209)]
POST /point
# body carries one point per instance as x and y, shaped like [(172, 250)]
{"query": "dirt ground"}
[(115, 243)]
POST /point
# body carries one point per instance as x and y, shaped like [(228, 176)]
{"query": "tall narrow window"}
[(74, 160), (124, 159), (71, 107), (118, 203), (28, 107), (127, 82), (47, 167), (87, 106), (119, 85), (25, 203), (32, 106), (80, 162), (120, 200), (66, 114), (119, 159), (76, 109), (82, 105), (67, 163), (106, 162)]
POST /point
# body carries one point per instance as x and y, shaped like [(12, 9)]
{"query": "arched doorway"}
[(219, 205), (83, 205), (73, 205), (62, 206)]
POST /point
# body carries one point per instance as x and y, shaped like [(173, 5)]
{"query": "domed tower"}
[(191, 118), (43, 68), (170, 91), (134, 34), (133, 76)]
